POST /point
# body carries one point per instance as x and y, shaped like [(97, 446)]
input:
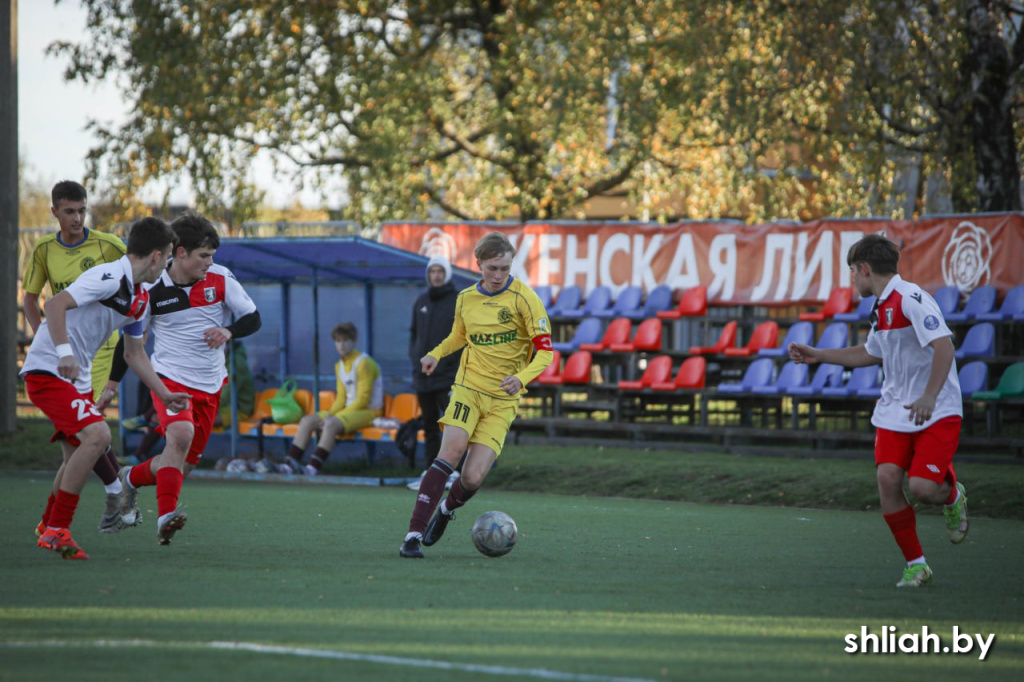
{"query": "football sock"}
[(49, 508), (431, 488), (114, 488), (106, 467), (142, 474), (63, 510), (168, 488), (954, 495), (295, 452), (903, 525), (457, 497), (318, 458)]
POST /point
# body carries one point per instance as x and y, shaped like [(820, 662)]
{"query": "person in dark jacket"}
[(432, 318)]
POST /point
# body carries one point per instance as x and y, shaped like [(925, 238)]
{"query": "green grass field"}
[(299, 582)]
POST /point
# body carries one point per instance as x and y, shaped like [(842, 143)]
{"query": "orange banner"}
[(768, 264)]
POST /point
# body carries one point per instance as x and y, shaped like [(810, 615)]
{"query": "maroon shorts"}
[(201, 411), (69, 410), (922, 454)]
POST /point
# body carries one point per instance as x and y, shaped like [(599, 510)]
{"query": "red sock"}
[(168, 488), (903, 525), (49, 508), (431, 489), (953, 491), (141, 475), (63, 510), (458, 495)]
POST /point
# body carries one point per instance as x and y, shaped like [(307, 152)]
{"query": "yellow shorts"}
[(485, 418), (101, 365), (355, 420)]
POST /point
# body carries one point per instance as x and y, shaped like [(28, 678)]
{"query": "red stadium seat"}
[(617, 332), (691, 374), (552, 370), (693, 303), (839, 301), (727, 339), (647, 338), (659, 369), (576, 370), (765, 335)]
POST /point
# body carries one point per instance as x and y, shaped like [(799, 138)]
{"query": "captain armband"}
[(542, 342)]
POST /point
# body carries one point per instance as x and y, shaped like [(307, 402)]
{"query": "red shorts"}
[(69, 410), (201, 411), (922, 454)]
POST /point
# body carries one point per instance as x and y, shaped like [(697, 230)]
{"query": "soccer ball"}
[(495, 533)]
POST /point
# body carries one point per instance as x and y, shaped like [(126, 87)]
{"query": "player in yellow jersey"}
[(506, 334), (58, 259)]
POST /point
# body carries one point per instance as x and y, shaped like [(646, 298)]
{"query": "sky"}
[(53, 113)]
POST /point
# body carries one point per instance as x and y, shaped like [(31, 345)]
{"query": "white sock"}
[(410, 536), (444, 507), (114, 488), (918, 560), (953, 503)]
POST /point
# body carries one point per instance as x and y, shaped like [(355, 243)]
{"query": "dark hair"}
[(493, 245), (193, 232), (149, 235), (874, 249), (67, 190), (345, 330)]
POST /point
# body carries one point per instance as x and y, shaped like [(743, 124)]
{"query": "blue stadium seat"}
[(862, 312), (948, 298), (759, 373), (628, 304), (973, 377), (1012, 308), (544, 294), (569, 298), (659, 298), (826, 375), (791, 375), (598, 300), (588, 331), (981, 300), (834, 336), (861, 379), (980, 342), (800, 332)]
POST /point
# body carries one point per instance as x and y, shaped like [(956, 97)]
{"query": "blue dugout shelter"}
[(303, 287)]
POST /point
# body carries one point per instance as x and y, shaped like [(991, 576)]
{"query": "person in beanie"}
[(432, 318)]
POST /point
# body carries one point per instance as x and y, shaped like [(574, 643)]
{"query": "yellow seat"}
[(403, 407)]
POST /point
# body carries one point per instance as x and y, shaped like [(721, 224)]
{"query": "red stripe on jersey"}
[(542, 342), (890, 313), (139, 302), (208, 291)]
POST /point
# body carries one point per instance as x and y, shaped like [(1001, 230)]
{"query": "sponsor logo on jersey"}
[(106, 276), (493, 339)]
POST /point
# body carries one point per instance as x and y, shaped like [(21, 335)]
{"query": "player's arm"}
[(56, 314), (33, 313), (855, 356), (246, 325), (538, 327), (456, 340), (942, 359), (135, 356)]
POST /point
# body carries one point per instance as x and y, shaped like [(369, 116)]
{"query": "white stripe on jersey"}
[(182, 314), (104, 296)]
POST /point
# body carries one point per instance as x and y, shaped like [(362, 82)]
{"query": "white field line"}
[(538, 673)]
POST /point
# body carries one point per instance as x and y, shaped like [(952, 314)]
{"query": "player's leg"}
[(333, 429), (168, 470), (475, 466), (453, 446), (933, 478), (92, 441), (893, 453), (107, 465), (303, 434)]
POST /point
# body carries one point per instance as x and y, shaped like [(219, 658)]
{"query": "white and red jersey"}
[(909, 319), (107, 300), (182, 314)]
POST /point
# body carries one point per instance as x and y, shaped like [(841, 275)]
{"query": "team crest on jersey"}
[(505, 315), (210, 293), (888, 316), (87, 263)]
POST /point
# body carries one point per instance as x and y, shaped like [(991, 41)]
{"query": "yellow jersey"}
[(359, 387), (59, 265), (500, 332)]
